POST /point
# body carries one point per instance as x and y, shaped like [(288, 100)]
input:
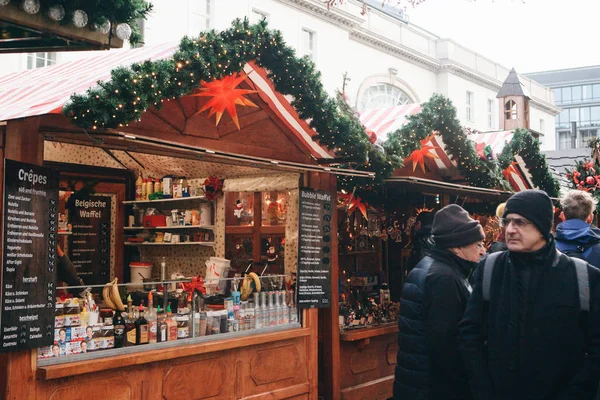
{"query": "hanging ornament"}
[(4, 2), (56, 13), (80, 18), (102, 28), (123, 31), (417, 157), (31, 6), (353, 202), (510, 170), (224, 97)]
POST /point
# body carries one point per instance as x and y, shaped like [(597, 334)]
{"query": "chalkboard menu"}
[(89, 243), (29, 256), (314, 249)]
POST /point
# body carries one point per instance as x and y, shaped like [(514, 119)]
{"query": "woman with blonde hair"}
[(499, 244)]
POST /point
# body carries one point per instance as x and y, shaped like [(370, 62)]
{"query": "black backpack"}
[(579, 251)]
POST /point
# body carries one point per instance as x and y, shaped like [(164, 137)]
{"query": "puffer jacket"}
[(575, 235), (433, 301)]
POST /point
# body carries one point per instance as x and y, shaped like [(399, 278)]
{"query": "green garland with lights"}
[(528, 147), (439, 115), (131, 91), (99, 12)]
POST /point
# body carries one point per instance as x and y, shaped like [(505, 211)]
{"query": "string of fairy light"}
[(131, 91)]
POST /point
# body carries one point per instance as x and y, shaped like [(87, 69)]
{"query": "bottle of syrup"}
[(142, 330)]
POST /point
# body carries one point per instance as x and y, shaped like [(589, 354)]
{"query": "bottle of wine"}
[(119, 326)]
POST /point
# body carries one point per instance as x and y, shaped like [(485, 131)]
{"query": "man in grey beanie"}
[(434, 297), (526, 333)]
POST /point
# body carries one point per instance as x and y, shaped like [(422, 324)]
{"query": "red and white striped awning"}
[(46, 90), (385, 120)]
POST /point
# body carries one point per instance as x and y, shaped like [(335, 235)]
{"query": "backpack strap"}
[(583, 283), (488, 269)]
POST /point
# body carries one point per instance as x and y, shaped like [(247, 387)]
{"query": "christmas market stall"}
[(438, 162), (69, 25), (182, 201)]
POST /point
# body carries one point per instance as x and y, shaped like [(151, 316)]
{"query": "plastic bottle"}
[(278, 308), (293, 309), (172, 325), (162, 329), (272, 310), (257, 312), (144, 189), (285, 310), (149, 187), (157, 186), (138, 186), (151, 317), (264, 311)]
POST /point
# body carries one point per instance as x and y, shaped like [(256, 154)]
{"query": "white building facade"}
[(388, 60)]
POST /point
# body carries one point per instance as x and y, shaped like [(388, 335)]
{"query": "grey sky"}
[(533, 35)]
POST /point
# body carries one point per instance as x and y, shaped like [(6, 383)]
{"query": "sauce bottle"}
[(162, 329), (138, 186), (172, 325), (141, 328), (145, 189)]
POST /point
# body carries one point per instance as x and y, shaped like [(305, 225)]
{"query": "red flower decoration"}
[(590, 180), (213, 187)]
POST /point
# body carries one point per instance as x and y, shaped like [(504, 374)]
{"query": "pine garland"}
[(528, 147), (439, 115), (131, 91)]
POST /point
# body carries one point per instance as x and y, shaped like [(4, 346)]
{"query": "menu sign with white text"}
[(29, 256), (314, 249)]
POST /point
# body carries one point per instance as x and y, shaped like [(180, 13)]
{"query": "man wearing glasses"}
[(433, 301), (524, 335)]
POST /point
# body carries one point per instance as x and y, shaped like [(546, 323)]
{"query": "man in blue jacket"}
[(575, 236)]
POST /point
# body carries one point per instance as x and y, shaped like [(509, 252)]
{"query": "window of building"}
[(557, 95), (490, 113), (587, 93), (585, 135), (584, 115), (564, 140), (382, 95), (510, 110), (309, 43), (200, 16), (38, 60), (566, 94), (574, 115), (258, 15), (596, 91), (562, 119), (595, 115), (576, 94), (469, 106)]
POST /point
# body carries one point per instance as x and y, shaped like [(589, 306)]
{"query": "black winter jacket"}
[(434, 298), (552, 351)]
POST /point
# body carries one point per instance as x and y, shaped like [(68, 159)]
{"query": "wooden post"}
[(330, 335), (24, 143)]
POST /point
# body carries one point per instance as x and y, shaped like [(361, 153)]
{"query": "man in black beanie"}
[(526, 333), (434, 297)]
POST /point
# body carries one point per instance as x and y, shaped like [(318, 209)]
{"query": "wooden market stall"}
[(264, 155), (477, 170)]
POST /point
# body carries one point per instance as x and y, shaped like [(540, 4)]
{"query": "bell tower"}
[(514, 103)]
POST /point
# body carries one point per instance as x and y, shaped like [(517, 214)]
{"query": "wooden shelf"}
[(369, 332), (209, 244), (179, 199), (168, 228)]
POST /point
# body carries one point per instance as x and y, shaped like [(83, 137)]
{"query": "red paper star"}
[(417, 157), (355, 202), (510, 170), (224, 97)]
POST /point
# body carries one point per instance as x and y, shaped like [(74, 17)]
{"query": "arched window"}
[(382, 95), (510, 110)]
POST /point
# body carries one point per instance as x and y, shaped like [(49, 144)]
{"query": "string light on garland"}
[(31, 6), (56, 13)]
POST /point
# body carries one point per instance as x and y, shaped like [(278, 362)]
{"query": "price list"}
[(29, 257), (314, 249)]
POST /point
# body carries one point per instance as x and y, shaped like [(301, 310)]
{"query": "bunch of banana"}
[(251, 282), (111, 296)]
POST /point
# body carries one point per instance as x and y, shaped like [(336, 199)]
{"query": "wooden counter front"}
[(266, 366), (367, 362)]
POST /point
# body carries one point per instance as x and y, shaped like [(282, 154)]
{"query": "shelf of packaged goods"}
[(369, 332), (168, 228), (178, 199), (210, 244)]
